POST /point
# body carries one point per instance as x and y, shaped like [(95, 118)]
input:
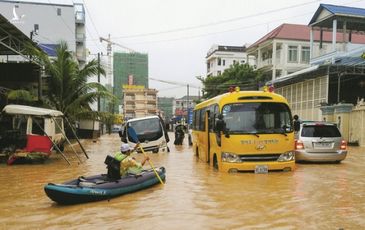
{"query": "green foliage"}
[(22, 97), (68, 88), (241, 75)]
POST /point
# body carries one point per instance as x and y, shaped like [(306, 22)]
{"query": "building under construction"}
[(129, 69)]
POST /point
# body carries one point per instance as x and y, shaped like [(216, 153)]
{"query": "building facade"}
[(183, 108), (221, 57), (128, 69), (288, 49), (139, 101), (39, 20), (333, 84)]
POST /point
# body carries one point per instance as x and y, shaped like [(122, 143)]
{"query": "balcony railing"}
[(80, 17), (265, 62), (80, 37)]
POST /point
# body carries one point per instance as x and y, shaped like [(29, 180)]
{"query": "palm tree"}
[(68, 88)]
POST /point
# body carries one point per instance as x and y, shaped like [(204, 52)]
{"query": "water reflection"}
[(324, 196)]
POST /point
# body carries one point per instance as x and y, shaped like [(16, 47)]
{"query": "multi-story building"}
[(39, 20), (334, 83), (286, 49), (183, 107), (165, 106), (139, 101), (221, 57), (128, 69)]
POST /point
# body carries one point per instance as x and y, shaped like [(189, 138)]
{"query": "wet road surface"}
[(314, 196)]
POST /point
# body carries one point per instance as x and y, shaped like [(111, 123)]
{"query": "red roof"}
[(302, 32)]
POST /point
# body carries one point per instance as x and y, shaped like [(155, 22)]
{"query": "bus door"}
[(206, 135), (203, 135)]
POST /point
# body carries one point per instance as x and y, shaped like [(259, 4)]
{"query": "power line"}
[(93, 24), (215, 23), (219, 32)]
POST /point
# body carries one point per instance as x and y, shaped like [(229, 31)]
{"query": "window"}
[(219, 72), (320, 131), (305, 54), (223, 62), (234, 62), (202, 120), (59, 11), (293, 54), (219, 61), (257, 117), (37, 126), (59, 124)]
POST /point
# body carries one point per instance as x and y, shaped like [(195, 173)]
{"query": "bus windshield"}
[(257, 118), (147, 129)]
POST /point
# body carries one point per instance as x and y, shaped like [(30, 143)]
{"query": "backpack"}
[(113, 167)]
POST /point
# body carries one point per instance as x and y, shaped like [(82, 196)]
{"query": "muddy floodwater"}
[(314, 196)]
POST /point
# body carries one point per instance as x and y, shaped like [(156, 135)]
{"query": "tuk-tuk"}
[(23, 126)]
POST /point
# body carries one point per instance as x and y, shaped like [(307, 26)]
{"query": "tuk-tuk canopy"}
[(29, 110)]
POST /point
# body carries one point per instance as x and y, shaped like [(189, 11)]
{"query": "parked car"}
[(319, 142)]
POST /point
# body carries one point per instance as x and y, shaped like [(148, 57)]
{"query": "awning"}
[(13, 41), (29, 110)]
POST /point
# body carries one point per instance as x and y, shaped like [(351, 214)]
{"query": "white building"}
[(48, 24), (286, 49), (220, 58)]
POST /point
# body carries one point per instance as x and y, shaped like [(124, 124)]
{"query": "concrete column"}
[(274, 60), (334, 33), (342, 118), (344, 37), (311, 43)]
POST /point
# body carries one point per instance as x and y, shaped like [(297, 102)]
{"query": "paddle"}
[(133, 135)]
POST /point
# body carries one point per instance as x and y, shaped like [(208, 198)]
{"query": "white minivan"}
[(151, 133)]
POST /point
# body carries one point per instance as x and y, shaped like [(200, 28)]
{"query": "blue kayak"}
[(100, 187)]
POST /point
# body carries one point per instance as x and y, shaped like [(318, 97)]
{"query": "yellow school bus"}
[(244, 131)]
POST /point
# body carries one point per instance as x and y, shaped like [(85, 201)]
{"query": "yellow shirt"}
[(128, 164)]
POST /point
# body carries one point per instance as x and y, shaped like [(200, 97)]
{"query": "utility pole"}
[(187, 106), (99, 80)]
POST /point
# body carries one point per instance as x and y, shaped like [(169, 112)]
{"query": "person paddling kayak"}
[(129, 164)]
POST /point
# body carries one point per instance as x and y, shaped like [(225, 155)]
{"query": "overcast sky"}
[(177, 34)]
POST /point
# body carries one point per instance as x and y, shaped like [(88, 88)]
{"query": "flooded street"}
[(314, 196)]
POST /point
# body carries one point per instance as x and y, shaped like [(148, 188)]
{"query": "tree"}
[(241, 75), (20, 96), (68, 88)]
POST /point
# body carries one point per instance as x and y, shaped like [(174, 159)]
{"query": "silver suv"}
[(319, 142)]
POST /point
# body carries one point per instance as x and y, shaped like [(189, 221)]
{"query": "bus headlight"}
[(230, 157), (288, 156)]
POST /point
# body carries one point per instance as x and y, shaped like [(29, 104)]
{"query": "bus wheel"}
[(215, 162)]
